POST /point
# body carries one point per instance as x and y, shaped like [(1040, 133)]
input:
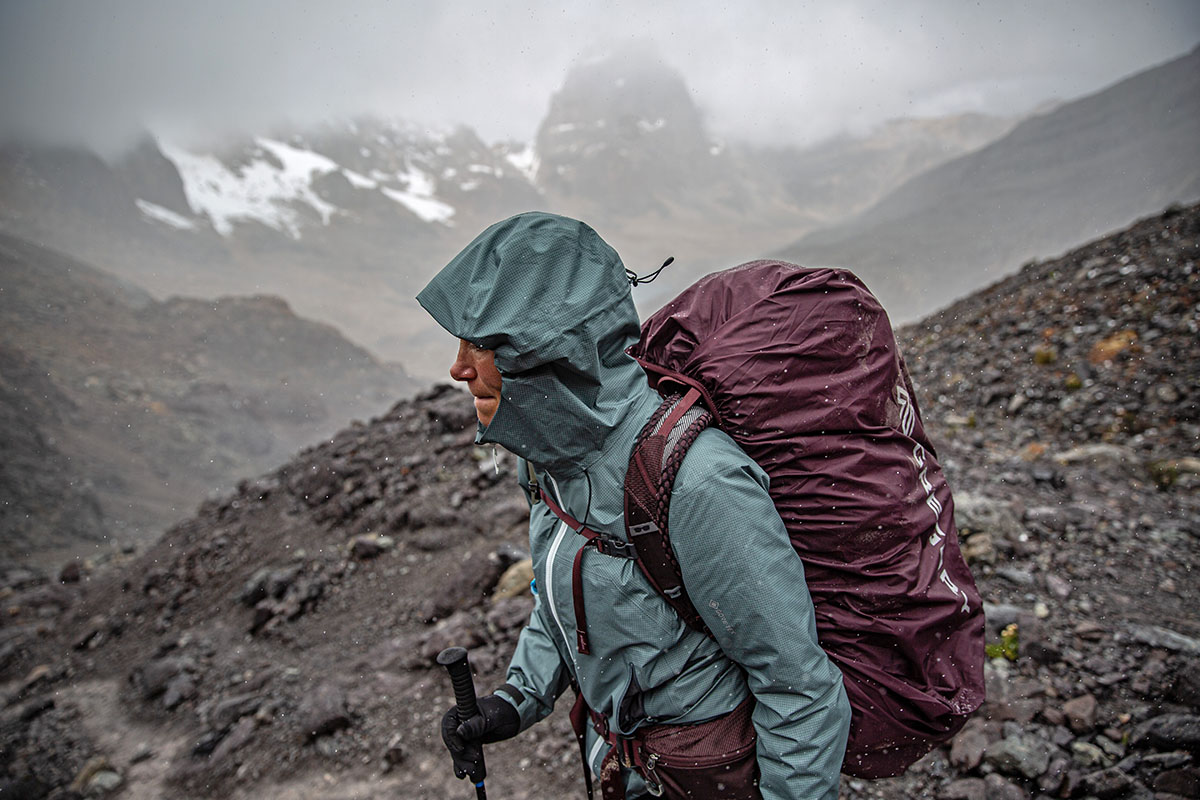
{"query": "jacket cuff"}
[(528, 704), (510, 693), (519, 701)]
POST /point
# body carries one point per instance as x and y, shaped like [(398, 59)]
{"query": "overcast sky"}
[(102, 70)]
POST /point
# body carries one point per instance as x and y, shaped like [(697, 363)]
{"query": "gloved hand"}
[(497, 720)]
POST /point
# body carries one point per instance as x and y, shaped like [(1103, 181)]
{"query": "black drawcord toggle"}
[(634, 280)]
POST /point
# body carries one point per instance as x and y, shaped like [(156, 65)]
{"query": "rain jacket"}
[(552, 300)]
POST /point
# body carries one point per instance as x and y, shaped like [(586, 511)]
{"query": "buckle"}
[(612, 546)]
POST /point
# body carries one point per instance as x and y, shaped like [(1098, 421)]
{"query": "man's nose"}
[(463, 368)]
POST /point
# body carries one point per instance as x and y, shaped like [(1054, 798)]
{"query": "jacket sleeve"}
[(536, 675), (747, 582)]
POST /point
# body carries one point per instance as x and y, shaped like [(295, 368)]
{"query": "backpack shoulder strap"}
[(653, 466)]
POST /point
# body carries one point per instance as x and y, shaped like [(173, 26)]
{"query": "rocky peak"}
[(623, 130)]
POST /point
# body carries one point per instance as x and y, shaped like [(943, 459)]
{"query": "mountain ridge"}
[(1097, 162), (346, 220)]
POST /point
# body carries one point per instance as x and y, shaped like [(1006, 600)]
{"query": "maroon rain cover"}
[(801, 368)]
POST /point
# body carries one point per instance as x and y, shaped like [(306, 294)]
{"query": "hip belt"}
[(714, 759)]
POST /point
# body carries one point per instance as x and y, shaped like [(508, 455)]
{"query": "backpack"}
[(801, 368)]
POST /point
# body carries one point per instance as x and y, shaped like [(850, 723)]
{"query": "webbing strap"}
[(581, 636), (624, 751), (578, 717), (661, 379), (572, 523), (680, 409)]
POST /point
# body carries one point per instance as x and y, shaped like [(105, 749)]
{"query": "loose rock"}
[(323, 712)]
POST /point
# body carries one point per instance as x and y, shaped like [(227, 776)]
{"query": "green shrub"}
[(1006, 647)]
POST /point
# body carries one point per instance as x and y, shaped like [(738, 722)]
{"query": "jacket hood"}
[(552, 300)]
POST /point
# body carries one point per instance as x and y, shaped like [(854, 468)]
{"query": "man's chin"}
[(485, 409)]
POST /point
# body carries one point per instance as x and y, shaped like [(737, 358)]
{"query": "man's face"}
[(476, 367)]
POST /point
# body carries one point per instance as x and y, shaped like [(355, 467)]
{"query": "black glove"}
[(497, 720)]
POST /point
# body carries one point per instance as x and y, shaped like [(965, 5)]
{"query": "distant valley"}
[(120, 413)]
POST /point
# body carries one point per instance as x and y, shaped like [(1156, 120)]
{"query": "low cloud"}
[(774, 71)]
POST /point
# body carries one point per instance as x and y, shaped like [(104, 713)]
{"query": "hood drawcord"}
[(634, 280)]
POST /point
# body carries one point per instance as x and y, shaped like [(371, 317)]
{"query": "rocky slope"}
[(119, 413), (280, 642)]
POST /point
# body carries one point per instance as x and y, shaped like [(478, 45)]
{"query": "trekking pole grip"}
[(454, 659)]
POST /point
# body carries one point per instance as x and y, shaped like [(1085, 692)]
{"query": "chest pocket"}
[(622, 588), (597, 596), (623, 606), (605, 580)]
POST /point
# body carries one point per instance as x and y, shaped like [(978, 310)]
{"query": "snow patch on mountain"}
[(277, 182), (297, 162), (164, 215), (359, 181), (418, 196), (428, 208), (417, 182), (526, 161), (264, 190)]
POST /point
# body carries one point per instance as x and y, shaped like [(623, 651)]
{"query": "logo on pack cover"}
[(937, 539)]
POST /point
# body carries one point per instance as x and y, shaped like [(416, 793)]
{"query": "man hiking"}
[(543, 311)]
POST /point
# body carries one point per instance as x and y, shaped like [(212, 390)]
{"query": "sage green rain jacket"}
[(551, 299)]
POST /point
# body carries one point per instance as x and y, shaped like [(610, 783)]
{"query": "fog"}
[(100, 73)]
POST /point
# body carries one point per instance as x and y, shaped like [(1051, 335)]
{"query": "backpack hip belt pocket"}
[(715, 759)]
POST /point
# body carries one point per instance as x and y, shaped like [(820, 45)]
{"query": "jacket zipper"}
[(563, 529)]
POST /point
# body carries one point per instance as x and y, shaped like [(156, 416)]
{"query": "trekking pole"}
[(454, 659)]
